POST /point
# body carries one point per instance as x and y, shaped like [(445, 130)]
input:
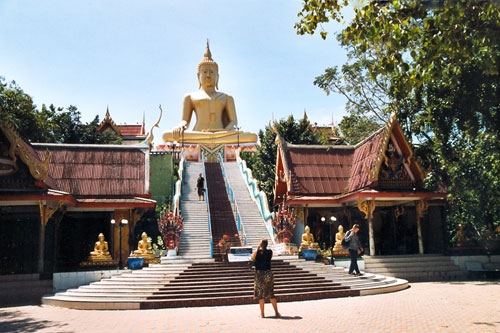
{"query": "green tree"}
[(356, 128), (439, 62), (50, 124), (263, 163)]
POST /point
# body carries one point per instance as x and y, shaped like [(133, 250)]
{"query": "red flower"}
[(226, 236), (285, 240), (236, 235)]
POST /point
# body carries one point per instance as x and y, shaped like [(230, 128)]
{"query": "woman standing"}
[(264, 280)]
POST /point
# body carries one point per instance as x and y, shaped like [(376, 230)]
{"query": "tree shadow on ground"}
[(16, 321)]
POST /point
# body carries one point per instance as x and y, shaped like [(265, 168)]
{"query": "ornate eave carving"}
[(108, 122), (18, 148)]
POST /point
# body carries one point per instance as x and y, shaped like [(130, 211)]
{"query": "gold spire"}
[(207, 59)]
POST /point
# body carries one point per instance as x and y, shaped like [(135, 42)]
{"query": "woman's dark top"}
[(200, 183), (263, 260)]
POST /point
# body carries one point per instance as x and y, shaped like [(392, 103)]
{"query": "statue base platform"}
[(309, 254), (285, 249), (192, 152), (99, 263), (341, 253)]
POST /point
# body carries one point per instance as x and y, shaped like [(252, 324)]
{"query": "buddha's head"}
[(341, 228), (144, 236), (100, 237), (307, 229), (208, 71)]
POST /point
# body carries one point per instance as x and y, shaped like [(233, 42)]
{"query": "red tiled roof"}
[(363, 160), (88, 170), (319, 170), (131, 130), (332, 170)]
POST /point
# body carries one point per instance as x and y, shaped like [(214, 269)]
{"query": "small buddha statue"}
[(101, 251), (307, 240), (490, 233), (144, 248), (215, 112), (338, 239), (462, 239)]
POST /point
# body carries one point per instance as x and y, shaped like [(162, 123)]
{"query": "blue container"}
[(309, 254), (135, 262)]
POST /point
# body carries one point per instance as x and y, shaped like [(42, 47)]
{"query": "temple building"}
[(130, 134), (55, 199), (377, 184)]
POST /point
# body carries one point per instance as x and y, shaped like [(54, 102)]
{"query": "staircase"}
[(195, 237), (415, 268), (250, 217), (208, 283), (221, 212)]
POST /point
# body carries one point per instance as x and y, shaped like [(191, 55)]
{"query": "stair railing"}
[(259, 197), (178, 186), (232, 198), (209, 222)]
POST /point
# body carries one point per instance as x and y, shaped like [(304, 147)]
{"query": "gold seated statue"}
[(308, 240), (144, 249), (339, 236), (216, 121), (101, 252)]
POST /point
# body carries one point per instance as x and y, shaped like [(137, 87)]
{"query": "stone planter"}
[(135, 262), (309, 254)]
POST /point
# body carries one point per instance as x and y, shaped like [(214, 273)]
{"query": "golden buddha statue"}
[(144, 248), (307, 240), (215, 112), (338, 239), (101, 251), (462, 239)]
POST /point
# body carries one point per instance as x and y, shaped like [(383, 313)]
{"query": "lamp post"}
[(122, 223), (237, 134), (183, 129), (330, 223)]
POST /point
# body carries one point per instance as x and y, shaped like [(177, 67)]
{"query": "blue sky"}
[(134, 55)]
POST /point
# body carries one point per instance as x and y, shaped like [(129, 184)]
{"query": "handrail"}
[(178, 186), (209, 222), (232, 197), (259, 197)]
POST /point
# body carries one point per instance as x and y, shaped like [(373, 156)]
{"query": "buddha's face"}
[(208, 76), (101, 237), (341, 228), (144, 237), (307, 229)]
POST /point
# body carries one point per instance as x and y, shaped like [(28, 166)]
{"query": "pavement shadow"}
[(16, 321), (285, 317)]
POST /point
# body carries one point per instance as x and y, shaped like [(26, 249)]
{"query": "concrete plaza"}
[(424, 307)]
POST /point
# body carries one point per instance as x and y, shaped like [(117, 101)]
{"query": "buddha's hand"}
[(177, 131)]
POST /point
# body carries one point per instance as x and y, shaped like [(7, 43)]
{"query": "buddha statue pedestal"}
[(144, 250), (308, 248), (464, 245), (100, 256), (338, 250)]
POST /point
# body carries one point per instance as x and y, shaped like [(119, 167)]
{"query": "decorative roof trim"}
[(109, 122), (19, 147)]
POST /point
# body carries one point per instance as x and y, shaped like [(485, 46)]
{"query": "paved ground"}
[(424, 307)]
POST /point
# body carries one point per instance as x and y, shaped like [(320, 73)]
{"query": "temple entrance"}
[(395, 235)]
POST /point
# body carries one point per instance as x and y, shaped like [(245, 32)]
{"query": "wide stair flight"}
[(195, 237)]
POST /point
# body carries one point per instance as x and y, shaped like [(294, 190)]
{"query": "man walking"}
[(354, 245)]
